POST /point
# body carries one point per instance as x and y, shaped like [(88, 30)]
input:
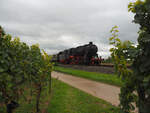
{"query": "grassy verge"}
[(66, 99), (106, 78)]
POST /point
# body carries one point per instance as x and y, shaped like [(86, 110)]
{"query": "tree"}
[(2, 32)]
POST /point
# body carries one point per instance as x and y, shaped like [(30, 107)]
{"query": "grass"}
[(100, 77), (66, 99)]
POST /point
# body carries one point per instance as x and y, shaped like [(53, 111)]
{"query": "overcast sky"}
[(61, 24)]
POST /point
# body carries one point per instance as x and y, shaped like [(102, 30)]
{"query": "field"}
[(100, 77)]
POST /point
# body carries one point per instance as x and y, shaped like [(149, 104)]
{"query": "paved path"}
[(106, 92)]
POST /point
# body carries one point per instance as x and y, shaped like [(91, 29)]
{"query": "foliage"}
[(136, 88), (2, 32), (20, 64), (108, 60), (120, 57)]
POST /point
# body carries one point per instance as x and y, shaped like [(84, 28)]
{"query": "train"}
[(81, 55)]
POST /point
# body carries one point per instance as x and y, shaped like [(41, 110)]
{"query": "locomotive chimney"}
[(91, 43)]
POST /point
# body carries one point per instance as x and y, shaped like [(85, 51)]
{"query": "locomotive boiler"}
[(86, 54)]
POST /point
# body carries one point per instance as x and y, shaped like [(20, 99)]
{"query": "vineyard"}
[(136, 79), (26, 83), (22, 67)]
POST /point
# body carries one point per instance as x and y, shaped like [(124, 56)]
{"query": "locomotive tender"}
[(86, 54)]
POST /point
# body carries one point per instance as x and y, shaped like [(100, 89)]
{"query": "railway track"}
[(103, 68)]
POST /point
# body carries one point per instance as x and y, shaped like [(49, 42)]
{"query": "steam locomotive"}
[(81, 55)]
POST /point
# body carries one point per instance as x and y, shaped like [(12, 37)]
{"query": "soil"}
[(99, 69)]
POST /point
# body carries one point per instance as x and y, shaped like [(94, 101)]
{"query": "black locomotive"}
[(86, 54)]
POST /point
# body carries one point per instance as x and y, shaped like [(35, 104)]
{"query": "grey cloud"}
[(61, 24)]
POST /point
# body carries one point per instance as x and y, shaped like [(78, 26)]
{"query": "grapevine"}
[(21, 64), (136, 88)]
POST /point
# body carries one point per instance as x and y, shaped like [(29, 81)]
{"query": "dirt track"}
[(104, 91)]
